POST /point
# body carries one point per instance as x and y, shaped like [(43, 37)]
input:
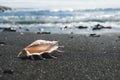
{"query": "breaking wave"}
[(61, 17), (57, 19)]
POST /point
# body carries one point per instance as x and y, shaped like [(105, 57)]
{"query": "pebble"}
[(102, 43), (22, 33), (65, 27), (105, 52), (71, 33), (27, 29), (8, 70), (2, 43), (94, 35), (11, 29), (43, 32), (82, 27), (71, 37)]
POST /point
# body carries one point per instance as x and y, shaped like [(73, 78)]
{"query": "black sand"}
[(85, 58)]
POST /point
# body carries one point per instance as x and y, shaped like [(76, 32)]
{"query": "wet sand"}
[(85, 57)]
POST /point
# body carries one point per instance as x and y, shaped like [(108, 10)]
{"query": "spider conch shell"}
[(39, 47)]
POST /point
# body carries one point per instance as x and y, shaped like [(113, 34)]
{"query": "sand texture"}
[(84, 57)]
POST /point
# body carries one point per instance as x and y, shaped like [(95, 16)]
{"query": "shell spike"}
[(60, 51), (19, 53)]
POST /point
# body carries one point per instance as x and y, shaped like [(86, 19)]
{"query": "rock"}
[(102, 43), (94, 35), (82, 27), (8, 70), (10, 29), (118, 36), (43, 32), (71, 37), (2, 43), (38, 32), (1, 28), (3, 8), (108, 27), (65, 27), (116, 40), (98, 27), (20, 27), (71, 33), (27, 30)]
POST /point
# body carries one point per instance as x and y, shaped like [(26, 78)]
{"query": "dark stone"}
[(27, 29), (116, 40), (99, 27), (71, 37), (94, 35), (82, 27), (2, 43), (109, 27), (118, 36), (102, 43), (3, 8), (38, 32), (71, 33), (43, 32), (20, 27), (1, 28), (65, 27), (8, 70), (9, 29)]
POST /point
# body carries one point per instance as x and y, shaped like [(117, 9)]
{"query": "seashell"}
[(39, 47)]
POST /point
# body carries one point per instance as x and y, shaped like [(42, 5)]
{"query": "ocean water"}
[(36, 20)]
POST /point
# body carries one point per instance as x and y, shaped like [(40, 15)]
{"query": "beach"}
[(84, 58)]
